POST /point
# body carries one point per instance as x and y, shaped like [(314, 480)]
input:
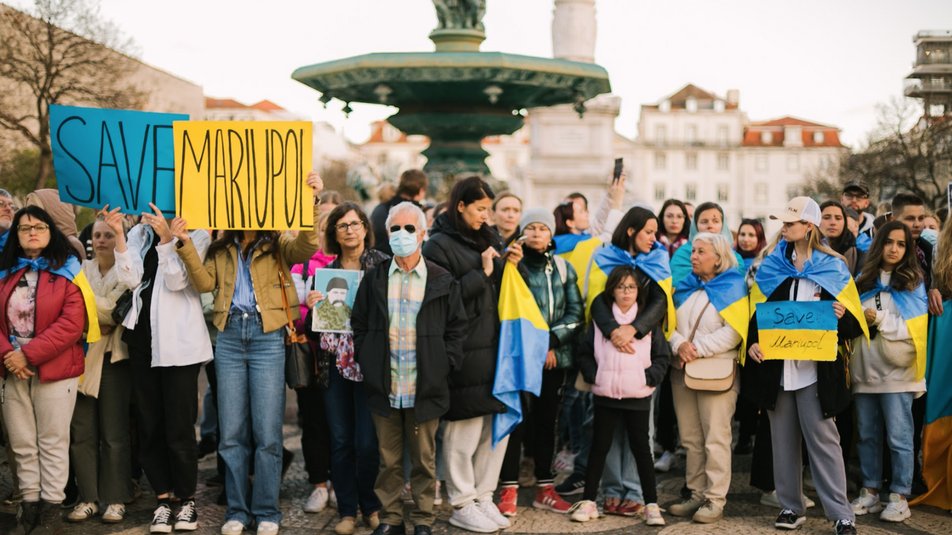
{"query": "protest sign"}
[(332, 313), (117, 157), (797, 330), (243, 174)]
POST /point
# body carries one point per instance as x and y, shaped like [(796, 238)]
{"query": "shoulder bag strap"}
[(292, 332), (697, 322)]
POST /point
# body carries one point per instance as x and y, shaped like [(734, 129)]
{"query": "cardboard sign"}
[(116, 157), (797, 330), (247, 175)]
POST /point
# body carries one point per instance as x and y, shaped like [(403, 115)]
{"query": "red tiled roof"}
[(212, 103), (266, 105), (679, 99), (754, 131), (791, 121)]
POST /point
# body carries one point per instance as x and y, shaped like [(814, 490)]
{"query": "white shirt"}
[(799, 374)]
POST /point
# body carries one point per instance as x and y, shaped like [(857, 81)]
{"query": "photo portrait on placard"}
[(339, 286)]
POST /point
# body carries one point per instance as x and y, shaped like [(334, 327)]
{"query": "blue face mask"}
[(402, 243)]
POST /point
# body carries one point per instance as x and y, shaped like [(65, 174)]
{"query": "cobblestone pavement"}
[(744, 514)]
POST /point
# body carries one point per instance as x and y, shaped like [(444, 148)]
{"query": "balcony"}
[(919, 87)]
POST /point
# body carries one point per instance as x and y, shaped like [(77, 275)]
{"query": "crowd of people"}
[(654, 349)]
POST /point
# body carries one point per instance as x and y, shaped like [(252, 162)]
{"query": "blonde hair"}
[(722, 248), (942, 268)]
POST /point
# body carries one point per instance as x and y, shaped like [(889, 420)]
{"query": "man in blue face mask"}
[(406, 350)]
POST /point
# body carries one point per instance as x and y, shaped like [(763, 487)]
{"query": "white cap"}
[(800, 209)]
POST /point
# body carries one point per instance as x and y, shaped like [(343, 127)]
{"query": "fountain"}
[(456, 95)]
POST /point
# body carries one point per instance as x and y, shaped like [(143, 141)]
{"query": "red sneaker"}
[(610, 506), (630, 508), (547, 498), (507, 500)]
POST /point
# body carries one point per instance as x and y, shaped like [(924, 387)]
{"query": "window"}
[(659, 192), (691, 104), (660, 160), (690, 160), (690, 134), (766, 138), (760, 162), (661, 134), (722, 135), (760, 192), (722, 192), (793, 163), (723, 162), (690, 191), (818, 137), (718, 105)]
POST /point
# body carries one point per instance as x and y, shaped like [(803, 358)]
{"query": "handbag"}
[(298, 358), (123, 305), (709, 374)]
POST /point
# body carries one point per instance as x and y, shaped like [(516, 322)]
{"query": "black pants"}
[(315, 436), (746, 414), (167, 407), (636, 424), (666, 423), (761, 461), (538, 438)]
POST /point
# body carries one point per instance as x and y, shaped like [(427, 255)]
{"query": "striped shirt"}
[(405, 291)]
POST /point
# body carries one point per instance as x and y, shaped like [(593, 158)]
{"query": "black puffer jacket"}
[(471, 385)]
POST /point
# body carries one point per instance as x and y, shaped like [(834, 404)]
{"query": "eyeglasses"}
[(8, 204), (27, 229), (353, 225), (409, 228), (627, 288)]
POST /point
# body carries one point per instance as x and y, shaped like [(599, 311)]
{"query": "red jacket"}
[(56, 350)]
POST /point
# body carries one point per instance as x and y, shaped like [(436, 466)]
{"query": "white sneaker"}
[(584, 511), (564, 462), (471, 518), (114, 513), (896, 510), (317, 501), (770, 500), (653, 515), (82, 511), (489, 509), (665, 462), (868, 502), (232, 527), (268, 528)]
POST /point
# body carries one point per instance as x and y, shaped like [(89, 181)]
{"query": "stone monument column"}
[(573, 30)]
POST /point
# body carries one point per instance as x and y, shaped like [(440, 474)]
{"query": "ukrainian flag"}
[(828, 271), (577, 250), (913, 306), (72, 270), (523, 344), (727, 292), (653, 263), (937, 432)]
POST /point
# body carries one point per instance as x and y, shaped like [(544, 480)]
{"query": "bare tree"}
[(63, 52)]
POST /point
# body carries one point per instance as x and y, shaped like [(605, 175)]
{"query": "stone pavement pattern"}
[(744, 514)]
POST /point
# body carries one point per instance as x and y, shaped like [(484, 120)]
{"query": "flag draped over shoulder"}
[(829, 272), (72, 270), (577, 250), (937, 431), (913, 306), (653, 263), (727, 292), (523, 344)]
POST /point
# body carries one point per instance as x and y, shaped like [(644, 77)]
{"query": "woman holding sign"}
[(889, 372), (712, 319), (800, 377), (254, 301)]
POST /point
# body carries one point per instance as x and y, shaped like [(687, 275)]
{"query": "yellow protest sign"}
[(247, 175), (797, 330)]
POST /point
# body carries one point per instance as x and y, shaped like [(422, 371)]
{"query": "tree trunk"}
[(43, 167)]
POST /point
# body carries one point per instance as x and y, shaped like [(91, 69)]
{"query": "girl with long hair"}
[(675, 225)]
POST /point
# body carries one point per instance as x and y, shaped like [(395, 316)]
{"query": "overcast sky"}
[(822, 60)]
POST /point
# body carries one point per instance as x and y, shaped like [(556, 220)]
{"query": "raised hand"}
[(179, 229), (315, 182), (157, 221)]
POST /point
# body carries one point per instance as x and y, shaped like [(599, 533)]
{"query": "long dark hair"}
[(906, 275), (685, 228), (468, 191), (634, 219), (563, 213), (761, 238), (267, 241), (845, 240), (56, 252), (615, 279), (331, 245)]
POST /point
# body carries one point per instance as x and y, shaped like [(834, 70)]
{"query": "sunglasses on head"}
[(409, 228)]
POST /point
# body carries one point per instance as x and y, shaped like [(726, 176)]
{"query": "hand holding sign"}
[(179, 230), (316, 184), (158, 223), (755, 353), (113, 218), (838, 310)]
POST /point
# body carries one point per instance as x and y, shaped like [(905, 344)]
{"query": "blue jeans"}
[(249, 365), (895, 411), (354, 455), (620, 478)]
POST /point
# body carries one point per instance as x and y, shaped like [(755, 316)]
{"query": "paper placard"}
[(339, 286), (247, 175), (797, 330), (117, 157)]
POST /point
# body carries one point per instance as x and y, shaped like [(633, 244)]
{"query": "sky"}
[(827, 61)]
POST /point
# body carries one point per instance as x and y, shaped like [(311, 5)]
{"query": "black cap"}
[(337, 283), (856, 185)]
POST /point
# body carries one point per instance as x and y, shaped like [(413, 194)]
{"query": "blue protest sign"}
[(117, 157)]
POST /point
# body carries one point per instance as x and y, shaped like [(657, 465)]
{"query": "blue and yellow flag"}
[(653, 263), (72, 270), (727, 292), (913, 306), (523, 344), (577, 250), (829, 272)]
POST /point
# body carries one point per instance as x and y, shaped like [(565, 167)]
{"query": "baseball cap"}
[(800, 209), (856, 185)]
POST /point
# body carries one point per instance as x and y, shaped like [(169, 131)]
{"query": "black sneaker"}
[(574, 484), (161, 519), (789, 520), (844, 527), (186, 519)]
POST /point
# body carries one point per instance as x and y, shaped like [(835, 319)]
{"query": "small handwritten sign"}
[(797, 330)]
